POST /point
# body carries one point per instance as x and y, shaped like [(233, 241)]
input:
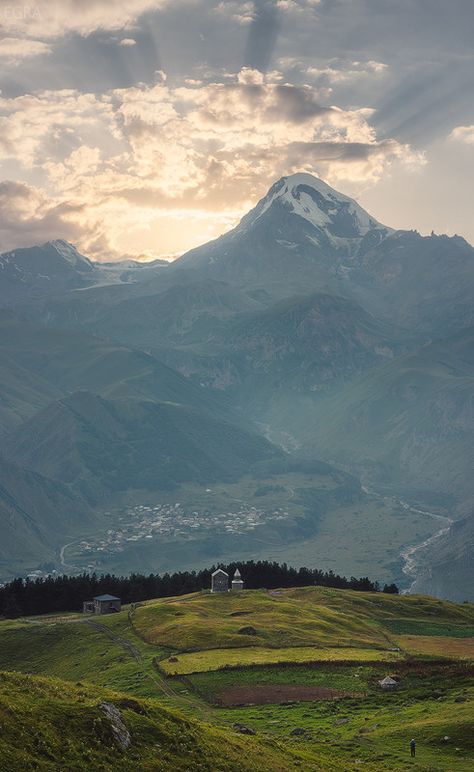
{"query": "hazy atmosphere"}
[(236, 386)]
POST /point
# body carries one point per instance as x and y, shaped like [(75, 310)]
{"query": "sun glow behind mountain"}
[(149, 128)]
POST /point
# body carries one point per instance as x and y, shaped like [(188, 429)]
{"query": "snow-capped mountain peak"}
[(316, 202), (300, 221)]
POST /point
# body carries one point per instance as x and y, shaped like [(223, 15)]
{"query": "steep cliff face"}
[(420, 281), (303, 344)]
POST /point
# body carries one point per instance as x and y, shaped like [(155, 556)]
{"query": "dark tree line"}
[(23, 597)]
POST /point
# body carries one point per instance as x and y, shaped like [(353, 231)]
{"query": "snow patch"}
[(70, 254), (290, 192), (287, 244)]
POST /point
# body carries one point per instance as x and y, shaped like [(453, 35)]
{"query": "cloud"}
[(297, 6), (124, 166), (14, 50), (124, 169), (342, 72), (240, 12), (27, 217), (463, 134), (297, 104), (358, 162), (37, 128), (127, 42), (56, 18), (259, 14)]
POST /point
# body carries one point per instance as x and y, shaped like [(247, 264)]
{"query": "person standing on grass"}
[(412, 748)]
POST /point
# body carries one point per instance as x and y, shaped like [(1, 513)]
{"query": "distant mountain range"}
[(304, 236), (102, 447), (52, 267), (44, 271), (301, 221), (311, 323)]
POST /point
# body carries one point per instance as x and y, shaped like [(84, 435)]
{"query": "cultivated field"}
[(215, 659), (441, 646)]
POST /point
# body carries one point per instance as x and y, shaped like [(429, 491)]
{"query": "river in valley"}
[(412, 555)]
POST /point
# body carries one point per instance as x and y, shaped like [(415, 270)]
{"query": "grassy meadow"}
[(279, 618), (215, 659), (182, 675), (51, 725)]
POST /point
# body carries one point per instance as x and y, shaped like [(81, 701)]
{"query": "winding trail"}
[(134, 653), (129, 647)]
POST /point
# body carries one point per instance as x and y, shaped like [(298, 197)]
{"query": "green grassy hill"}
[(309, 616), (50, 725), (297, 617), (306, 684)]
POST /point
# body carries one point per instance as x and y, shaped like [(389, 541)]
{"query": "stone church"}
[(220, 581)]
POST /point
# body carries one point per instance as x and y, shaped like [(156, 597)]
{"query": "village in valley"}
[(173, 522)]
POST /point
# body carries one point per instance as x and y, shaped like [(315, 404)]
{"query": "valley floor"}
[(278, 518)]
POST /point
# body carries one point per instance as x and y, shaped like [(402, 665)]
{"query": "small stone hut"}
[(220, 581), (237, 581), (388, 683), (102, 604)]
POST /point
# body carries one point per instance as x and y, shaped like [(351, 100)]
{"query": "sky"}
[(143, 128)]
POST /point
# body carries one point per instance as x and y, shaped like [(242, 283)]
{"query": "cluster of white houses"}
[(110, 604)]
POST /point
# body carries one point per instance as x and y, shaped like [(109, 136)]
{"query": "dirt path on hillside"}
[(133, 652), (129, 647)]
